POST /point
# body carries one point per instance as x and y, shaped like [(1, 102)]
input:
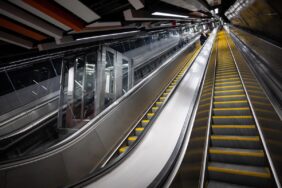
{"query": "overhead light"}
[(108, 35), (169, 15)]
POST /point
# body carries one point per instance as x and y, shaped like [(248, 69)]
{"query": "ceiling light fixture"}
[(169, 15), (108, 35)]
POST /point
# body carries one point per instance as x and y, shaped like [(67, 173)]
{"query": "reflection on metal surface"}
[(190, 171), (261, 17)]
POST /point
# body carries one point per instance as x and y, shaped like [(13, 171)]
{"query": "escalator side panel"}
[(190, 172)]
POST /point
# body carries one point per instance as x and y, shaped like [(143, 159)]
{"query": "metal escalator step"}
[(150, 115), (123, 149), (226, 69), (131, 139), (240, 174), (217, 184), (154, 109), (227, 76), (233, 119), (220, 88), (232, 141), (244, 130), (231, 103), (227, 83), (145, 122), (232, 111), (231, 91), (229, 97), (237, 156), (226, 79), (139, 130)]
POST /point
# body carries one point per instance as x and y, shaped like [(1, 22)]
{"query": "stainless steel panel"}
[(86, 148)]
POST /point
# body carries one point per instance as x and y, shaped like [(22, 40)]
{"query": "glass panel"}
[(125, 78)]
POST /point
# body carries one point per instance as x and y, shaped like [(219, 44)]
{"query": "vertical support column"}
[(118, 75), (61, 95), (100, 80), (83, 88), (130, 73)]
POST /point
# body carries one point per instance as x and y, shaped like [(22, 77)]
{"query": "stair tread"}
[(262, 172), (235, 137), (216, 184), (236, 151)]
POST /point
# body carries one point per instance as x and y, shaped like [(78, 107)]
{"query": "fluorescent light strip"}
[(108, 35), (169, 15)]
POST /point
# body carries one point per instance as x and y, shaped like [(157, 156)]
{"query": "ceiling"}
[(39, 25)]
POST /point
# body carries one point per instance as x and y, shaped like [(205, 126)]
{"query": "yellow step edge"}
[(219, 87), (132, 138), (162, 98), (228, 96), (239, 172), (226, 73), (240, 153), (233, 126), (145, 121), (230, 91), (139, 129), (122, 149), (227, 69), (236, 138), (155, 108), (150, 114), (230, 109), (224, 79), (232, 82), (232, 117), (230, 102), (159, 103)]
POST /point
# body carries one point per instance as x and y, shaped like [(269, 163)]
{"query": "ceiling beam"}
[(40, 14), (137, 4), (21, 29), (57, 12), (79, 9), (15, 40), (29, 20)]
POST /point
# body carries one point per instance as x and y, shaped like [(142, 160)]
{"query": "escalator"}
[(228, 144), (235, 156)]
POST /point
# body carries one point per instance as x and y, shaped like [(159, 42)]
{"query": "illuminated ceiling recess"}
[(191, 5), (169, 15)]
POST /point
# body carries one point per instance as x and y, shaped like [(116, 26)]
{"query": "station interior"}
[(140, 93)]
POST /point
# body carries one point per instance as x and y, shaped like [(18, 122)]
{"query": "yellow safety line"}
[(240, 153), (236, 138), (232, 117), (230, 102), (233, 126), (123, 149), (139, 129), (229, 96), (145, 121), (239, 172), (220, 87), (132, 138), (230, 91), (227, 109)]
